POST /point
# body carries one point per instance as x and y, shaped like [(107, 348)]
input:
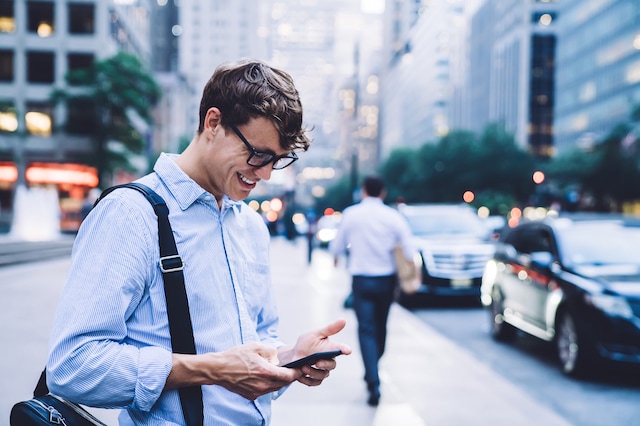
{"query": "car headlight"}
[(612, 305)]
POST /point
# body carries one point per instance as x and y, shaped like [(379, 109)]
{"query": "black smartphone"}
[(312, 359)]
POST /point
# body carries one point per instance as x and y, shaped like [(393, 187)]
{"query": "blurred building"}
[(511, 70), (598, 68), (467, 64), (40, 41), (172, 118), (422, 77), (215, 31), (330, 48)]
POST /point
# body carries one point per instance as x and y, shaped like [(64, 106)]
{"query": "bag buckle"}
[(55, 418), (171, 263)]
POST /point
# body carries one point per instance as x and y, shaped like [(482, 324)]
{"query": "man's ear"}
[(213, 119)]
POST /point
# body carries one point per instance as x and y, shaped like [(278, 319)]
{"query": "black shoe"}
[(374, 397)]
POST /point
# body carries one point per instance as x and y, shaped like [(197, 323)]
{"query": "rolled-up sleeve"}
[(99, 352)]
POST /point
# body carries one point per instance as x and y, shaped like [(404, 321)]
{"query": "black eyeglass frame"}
[(264, 156)]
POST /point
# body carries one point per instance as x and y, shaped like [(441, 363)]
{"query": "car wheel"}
[(573, 351), (500, 330)]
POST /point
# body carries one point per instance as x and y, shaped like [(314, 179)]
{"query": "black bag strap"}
[(175, 293)]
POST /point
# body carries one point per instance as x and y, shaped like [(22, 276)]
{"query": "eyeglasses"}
[(261, 158)]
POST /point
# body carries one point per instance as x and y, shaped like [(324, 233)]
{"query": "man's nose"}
[(264, 172)]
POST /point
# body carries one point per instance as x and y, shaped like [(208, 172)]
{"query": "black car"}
[(454, 245), (573, 281)]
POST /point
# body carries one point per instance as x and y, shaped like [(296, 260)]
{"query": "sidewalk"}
[(426, 379)]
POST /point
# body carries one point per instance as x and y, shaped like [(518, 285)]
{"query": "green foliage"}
[(492, 166), (116, 98)]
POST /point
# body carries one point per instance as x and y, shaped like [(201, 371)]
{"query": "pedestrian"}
[(110, 343), (368, 232)]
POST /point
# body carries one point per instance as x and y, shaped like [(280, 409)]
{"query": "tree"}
[(112, 102), (492, 166)]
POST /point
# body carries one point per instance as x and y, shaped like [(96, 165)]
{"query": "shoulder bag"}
[(48, 409)]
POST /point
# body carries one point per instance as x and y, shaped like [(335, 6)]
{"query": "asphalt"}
[(426, 378)]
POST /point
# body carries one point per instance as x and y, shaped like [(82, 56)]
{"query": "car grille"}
[(453, 264)]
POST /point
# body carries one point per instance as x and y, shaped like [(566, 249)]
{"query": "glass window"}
[(40, 67), (77, 62), (8, 117), (7, 19), (40, 17), (39, 118), (6, 65), (81, 18), (80, 117)]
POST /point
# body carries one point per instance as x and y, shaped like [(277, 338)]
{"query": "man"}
[(369, 231), (110, 342)]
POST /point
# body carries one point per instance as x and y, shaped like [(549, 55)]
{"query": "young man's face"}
[(225, 159)]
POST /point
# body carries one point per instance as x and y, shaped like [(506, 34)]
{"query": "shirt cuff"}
[(155, 365)]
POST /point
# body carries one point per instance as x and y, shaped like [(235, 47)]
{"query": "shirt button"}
[(207, 197)]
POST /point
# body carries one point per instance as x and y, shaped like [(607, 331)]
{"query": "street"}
[(453, 389), (610, 398)]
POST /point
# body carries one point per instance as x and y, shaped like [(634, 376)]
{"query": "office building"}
[(597, 69), (40, 41)]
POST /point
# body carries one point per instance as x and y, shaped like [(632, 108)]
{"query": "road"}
[(610, 398)]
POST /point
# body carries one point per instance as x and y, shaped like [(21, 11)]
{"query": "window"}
[(39, 118), (80, 117), (40, 17), (40, 67), (81, 18), (8, 117), (7, 19), (6, 65), (77, 62)]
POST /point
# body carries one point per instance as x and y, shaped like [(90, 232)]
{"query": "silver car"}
[(454, 244)]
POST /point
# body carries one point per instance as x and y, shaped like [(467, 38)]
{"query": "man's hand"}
[(249, 370), (312, 342)]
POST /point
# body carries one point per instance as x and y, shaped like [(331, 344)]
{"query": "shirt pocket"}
[(254, 285)]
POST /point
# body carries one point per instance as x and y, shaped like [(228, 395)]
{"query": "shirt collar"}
[(371, 200), (184, 189)]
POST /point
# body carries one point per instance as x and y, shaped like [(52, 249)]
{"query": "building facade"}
[(40, 41), (598, 69)]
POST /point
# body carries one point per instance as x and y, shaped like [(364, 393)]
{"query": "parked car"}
[(572, 281), (454, 245), (327, 229)]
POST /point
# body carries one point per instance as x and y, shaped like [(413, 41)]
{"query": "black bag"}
[(51, 410), (48, 409)]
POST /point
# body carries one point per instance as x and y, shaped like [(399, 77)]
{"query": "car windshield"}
[(599, 244), (425, 223)]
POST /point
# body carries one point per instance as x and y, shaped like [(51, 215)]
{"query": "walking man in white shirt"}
[(369, 231)]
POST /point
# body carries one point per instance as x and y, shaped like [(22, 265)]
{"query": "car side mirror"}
[(541, 259)]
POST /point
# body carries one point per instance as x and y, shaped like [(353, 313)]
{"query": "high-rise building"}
[(40, 41), (510, 77), (421, 81), (597, 69)]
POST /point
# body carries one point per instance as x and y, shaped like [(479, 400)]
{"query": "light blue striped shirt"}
[(110, 342)]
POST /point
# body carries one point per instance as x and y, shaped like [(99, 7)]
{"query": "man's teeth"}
[(247, 181)]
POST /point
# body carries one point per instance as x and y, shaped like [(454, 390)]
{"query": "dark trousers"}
[(372, 298)]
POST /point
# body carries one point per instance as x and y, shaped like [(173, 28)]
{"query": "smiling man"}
[(110, 343)]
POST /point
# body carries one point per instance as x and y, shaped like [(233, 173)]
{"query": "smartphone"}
[(313, 358)]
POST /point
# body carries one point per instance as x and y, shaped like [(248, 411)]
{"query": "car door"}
[(525, 286)]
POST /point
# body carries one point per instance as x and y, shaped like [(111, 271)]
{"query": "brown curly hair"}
[(250, 88)]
